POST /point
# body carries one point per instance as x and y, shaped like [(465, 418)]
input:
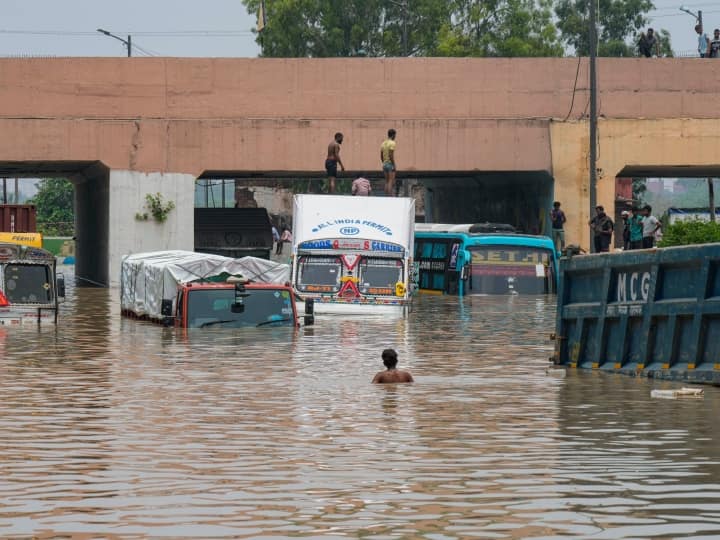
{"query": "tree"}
[(618, 22), (54, 203), (500, 28), (330, 28)]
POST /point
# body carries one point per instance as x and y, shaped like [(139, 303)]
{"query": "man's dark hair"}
[(389, 358), (647, 207), (391, 133), (716, 30), (651, 30), (598, 207), (556, 203), (338, 135)]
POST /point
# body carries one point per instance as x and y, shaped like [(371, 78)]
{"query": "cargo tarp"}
[(146, 279)]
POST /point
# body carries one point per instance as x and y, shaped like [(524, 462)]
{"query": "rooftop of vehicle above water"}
[(466, 228), (231, 285)]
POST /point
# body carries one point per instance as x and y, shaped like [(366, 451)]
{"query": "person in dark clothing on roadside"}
[(558, 219), (626, 229), (602, 228)]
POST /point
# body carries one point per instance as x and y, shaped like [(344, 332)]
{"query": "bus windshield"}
[(28, 283), (511, 270), (260, 307), (319, 274), (379, 276)]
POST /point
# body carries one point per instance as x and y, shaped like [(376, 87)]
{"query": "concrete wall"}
[(130, 235), (160, 121), (623, 143)]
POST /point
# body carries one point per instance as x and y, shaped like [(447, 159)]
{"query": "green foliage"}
[(505, 28), (159, 210), (619, 25), (54, 202), (683, 233), (328, 28)]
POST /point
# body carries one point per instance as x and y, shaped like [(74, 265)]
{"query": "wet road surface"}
[(118, 428)]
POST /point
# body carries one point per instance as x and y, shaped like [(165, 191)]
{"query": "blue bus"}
[(483, 259)]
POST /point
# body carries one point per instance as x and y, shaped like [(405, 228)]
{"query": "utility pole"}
[(711, 197), (405, 27), (127, 42), (593, 115)]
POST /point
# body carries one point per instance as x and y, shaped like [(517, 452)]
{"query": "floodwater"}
[(115, 428)]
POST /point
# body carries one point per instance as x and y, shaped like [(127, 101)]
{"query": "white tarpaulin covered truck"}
[(353, 254), (191, 289)]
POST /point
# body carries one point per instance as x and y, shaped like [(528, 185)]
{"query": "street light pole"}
[(127, 42), (593, 116)]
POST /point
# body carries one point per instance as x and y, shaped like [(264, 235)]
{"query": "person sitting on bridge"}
[(391, 374), (361, 186)]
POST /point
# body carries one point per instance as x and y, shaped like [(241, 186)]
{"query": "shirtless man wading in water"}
[(333, 160), (391, 374)]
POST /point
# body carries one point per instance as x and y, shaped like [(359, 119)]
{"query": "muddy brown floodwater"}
[(114, 428)]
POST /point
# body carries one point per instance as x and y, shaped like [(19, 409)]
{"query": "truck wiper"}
[(210, 323), (273, 321)]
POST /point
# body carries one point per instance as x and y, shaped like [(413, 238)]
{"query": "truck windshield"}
[(379, 276), (28, 284), (511, 270), (319, 274), (260, 307)]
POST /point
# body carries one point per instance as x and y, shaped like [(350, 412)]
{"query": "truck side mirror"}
[(309, 312), (166, 308), (60, 283)]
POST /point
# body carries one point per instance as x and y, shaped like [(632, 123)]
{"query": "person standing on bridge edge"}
[(650, 227), (333, 160), (602, 228), (558, 219), (703, 41), (387, 157), (714, 48), (648, 44)]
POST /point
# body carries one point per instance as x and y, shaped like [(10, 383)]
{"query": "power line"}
[(175, 33)]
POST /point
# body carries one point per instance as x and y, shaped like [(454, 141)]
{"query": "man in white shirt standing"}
[(651, 224), (703, 41)]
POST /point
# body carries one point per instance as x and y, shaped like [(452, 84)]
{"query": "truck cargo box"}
[(20, 218)]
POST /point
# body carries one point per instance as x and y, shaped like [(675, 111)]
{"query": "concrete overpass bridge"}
[(492, 136)]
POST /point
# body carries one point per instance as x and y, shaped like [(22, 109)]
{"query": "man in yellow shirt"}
[(387, 157)]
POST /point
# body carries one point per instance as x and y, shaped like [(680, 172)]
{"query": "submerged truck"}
[(198, 290), (30, 287), (353, 255)]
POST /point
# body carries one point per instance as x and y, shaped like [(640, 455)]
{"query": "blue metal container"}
[(654, 313)]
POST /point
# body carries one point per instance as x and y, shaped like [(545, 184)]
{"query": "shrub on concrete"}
[(683, 233)]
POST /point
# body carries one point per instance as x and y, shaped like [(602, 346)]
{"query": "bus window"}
[(319, 274), (433, 257), (379, 276), (511, 270)]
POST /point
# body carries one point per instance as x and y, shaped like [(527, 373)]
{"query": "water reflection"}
[(116, 427)]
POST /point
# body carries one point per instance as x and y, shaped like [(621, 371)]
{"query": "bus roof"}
[(477, 238), (468, 228)]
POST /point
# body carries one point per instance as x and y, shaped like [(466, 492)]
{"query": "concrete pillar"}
[(92, 198), (127, 234)]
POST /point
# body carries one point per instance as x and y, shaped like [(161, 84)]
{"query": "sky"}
[(214, 28)]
